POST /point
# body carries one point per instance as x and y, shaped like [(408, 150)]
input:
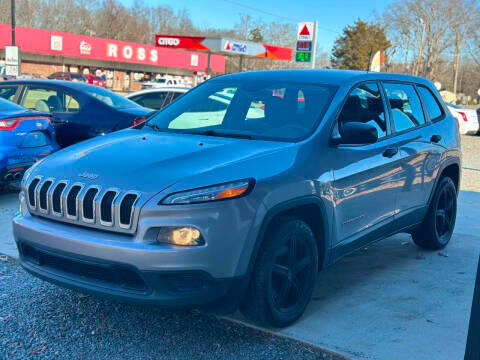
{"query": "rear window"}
[(430, 103), (405, 105)]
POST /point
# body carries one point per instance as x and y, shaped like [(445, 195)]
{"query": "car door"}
[(62, 106), (365, 176), (420, 150)]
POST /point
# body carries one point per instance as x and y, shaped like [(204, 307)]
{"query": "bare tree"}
[(466, 20)]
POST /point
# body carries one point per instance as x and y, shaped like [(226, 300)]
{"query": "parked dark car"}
[(69, 76), (25, 137), (157, 98), (78, 111)]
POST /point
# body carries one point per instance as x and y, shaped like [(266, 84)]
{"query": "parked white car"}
[(467, 119), (156, 98)]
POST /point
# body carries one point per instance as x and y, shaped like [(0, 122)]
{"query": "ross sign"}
[(304, 46), (12, 61), (303, 56), (305, 31)]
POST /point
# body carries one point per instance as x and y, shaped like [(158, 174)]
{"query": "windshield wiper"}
[(153, 126), (221, 134)]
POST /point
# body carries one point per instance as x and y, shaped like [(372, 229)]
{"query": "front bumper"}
[(133, 268), (123, 282)]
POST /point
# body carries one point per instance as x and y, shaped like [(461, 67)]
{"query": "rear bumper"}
[(469, 128), (125, 283)]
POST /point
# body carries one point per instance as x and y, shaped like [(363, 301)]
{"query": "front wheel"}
[(437, 228), (284, 276)]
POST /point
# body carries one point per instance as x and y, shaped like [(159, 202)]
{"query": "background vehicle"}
[(25, 137), (78, 111), (467, 119), (68, 76), (165, 81), (96, 80), (240, 191), (156, 98)]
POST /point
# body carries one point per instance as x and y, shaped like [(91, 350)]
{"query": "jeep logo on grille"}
[(88, 176)]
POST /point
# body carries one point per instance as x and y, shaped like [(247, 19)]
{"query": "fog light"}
[(183, 236)]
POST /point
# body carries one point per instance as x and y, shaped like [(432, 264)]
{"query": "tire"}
[(437, 227), (284, 275)]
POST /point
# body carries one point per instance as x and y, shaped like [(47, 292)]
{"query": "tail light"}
[(12, 123), (464, 116), (138, 120)]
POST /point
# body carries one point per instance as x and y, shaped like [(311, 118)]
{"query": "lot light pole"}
[(13, 21), (473, 342)]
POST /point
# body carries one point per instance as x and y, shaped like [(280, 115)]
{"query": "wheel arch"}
[(310, 209), (451, 169)]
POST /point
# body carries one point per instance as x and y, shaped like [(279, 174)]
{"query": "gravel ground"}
[(39, 320), (471, 163)]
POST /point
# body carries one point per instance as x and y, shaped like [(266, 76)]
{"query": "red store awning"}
[(56, 43)]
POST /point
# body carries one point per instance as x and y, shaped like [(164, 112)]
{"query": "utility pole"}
[(13, 21), (420, 50), (314, 43)]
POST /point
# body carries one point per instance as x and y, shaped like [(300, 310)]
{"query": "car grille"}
[(90, 205)]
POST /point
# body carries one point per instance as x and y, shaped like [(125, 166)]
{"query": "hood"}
[(148, 161)]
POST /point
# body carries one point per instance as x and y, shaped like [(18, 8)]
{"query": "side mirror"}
[(357, 133)]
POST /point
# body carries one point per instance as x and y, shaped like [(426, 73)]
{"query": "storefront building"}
[(124, 64)]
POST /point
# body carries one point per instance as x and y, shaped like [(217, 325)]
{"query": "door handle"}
[(435, 138), (390, 152)]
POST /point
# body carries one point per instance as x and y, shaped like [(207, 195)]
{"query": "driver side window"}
[(364, 104)]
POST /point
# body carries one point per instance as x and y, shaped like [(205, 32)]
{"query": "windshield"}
[(110, 98), (262, 110)]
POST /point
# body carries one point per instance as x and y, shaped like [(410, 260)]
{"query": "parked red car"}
[(96, 80)]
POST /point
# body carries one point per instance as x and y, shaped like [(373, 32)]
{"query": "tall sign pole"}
[(314, 43), (13, 21)]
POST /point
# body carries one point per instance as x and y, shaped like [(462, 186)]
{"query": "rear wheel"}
[(437, 228), (284, 276)]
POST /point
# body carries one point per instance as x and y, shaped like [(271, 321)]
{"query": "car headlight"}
[(224, 191)]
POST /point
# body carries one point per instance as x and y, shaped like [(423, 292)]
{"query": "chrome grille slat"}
[(129, 208), (42, 194), (93, 203), (83, 204), (53, 201), (111, 206)]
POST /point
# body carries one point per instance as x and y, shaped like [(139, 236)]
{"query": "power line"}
[(274, 15)]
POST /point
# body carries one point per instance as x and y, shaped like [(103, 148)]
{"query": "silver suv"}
[(238, 193)]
